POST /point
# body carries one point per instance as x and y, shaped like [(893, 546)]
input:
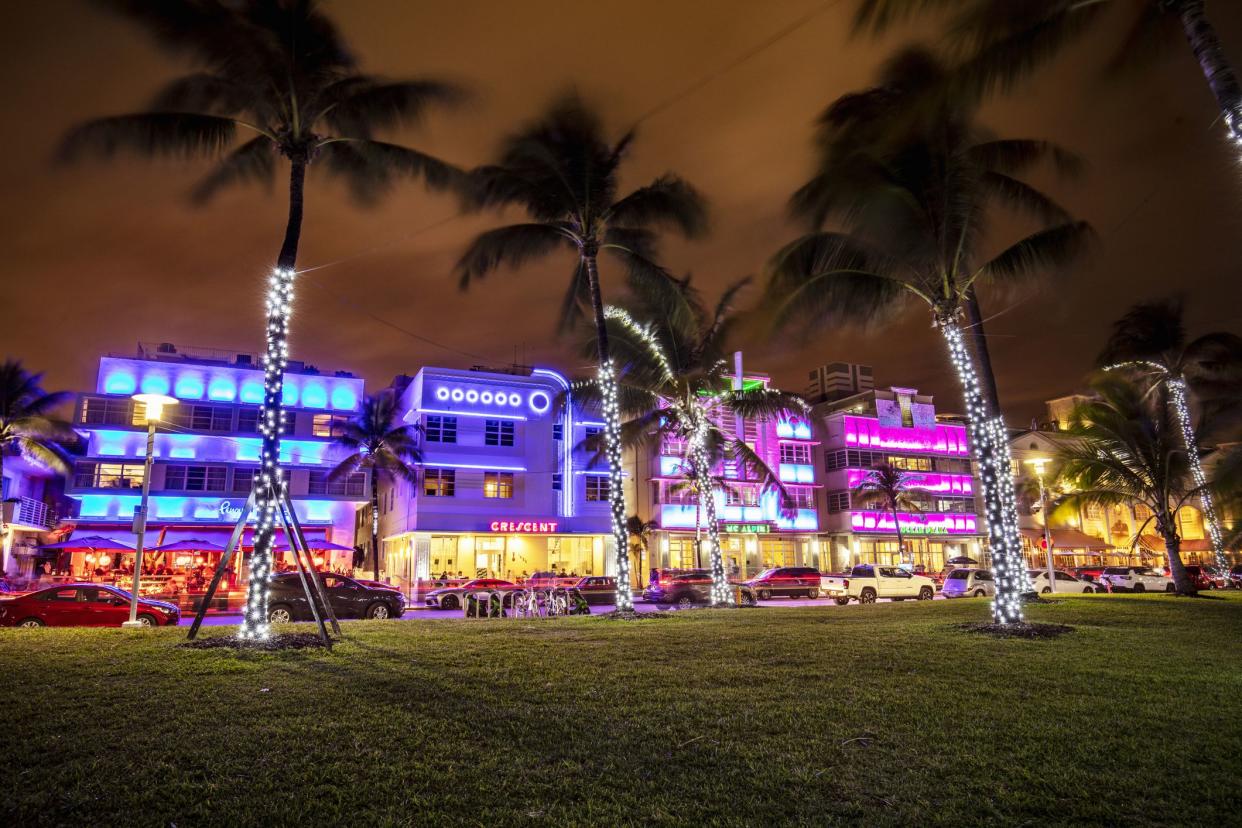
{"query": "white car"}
[(969, 583), (1136, 579), (867, 582), (1064, 582)]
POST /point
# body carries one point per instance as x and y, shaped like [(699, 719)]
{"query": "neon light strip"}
[(567, 440), (471, 414), (591, 423), (436, 464)]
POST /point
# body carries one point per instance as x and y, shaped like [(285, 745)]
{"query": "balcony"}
[(26, 513)]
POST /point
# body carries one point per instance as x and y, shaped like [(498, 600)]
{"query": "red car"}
[(1206, 577), (83, 605)]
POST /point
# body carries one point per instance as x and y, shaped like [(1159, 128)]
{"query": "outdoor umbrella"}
[(91, 542), (191, 545), (317, 546), (961, 560)]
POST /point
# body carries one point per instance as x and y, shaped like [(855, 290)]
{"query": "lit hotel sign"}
[(746, 528), (524, 527)]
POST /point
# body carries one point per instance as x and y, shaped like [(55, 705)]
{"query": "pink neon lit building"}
[(898, 426)]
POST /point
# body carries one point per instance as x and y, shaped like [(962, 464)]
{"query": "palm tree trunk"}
[(1181, 407), (990, 445), (722, 596), (612, 435), (375, 522), (901, 544), (270, 487), (979, 344), (1173, 547), (1216, 69)]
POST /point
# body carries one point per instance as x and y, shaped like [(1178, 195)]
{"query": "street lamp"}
[(154, 410), (1039, 464)]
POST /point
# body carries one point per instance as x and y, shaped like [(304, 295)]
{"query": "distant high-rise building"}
[(836, 380)]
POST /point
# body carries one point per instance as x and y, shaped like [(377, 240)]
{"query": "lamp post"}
[(155, 404), (1039, 464)]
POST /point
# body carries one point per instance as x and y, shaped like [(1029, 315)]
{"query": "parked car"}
[(686, 589), (454, 597), (1063, 582), (1136, 579), (1235, 576), (867, 582), (1206, 577), (349, 598), (969, 583), (83, 605), (1090, 573), (597, 589), (789, 581)]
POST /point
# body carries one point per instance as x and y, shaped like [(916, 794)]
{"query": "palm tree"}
[(1150, 341), (1006, 41), (915, 187), (279, 71), (1126, 446), (676, 385), (640, 530), (378, 442), (563, 173), (27, 427), (891, 488)]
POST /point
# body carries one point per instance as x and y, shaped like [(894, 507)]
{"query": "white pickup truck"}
[(867, 582)]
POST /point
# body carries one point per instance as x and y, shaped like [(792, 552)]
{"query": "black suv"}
[(685, 589), (349, 599), (790, 581)]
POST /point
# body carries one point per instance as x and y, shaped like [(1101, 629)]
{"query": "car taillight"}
[(845, 583)]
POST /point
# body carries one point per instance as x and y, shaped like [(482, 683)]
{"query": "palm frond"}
[(371, 168), (150, 134), (359, 104), (1046, 250), (667, 201), (514, 246), (254, 161)]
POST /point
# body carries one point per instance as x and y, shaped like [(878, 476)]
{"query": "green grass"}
[(882, 713)]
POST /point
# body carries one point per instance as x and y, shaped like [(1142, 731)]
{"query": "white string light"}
[(270, 487), (616, 494), (990, 444), (1177, 387)]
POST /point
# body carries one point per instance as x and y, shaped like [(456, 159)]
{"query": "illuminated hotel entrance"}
[(745, 554)]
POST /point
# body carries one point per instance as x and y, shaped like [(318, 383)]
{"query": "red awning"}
[(1066, 540), (1154, 543)]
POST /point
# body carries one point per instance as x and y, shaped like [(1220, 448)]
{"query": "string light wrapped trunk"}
[(721, 594), (990, 445), (616, 494), (1181, 406)]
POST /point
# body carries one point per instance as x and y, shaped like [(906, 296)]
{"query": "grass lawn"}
[(883, 713)]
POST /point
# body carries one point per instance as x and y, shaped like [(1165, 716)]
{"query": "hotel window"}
[(353, 485), (195, 478), (910, 463), (248, 421), (107, 476), (558, 482), (834, 460), (803, 498), (203, 417), (498, 433), (1142, 514), (558, 431), (439, 482), (592, 431), (1094, 512), (682, 495), (742, 496), (838, 501), (328, 425), (498, 485), (441, 429), (243, 479), (102, 411), (596, 487), (795, 453)]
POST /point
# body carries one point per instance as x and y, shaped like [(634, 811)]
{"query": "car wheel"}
[(841, 601), (926, 594), (684, 602), (1140, 588), (749, 599), (812, 594), (378, 610), (148, 620), (979, 593), (1167, 588), (1087, 590), (1045, 590), (280, 614), (867, 596), (765, 594), (449, 602), (31, 622)]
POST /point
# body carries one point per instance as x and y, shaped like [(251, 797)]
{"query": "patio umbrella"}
[(316, 546), (191, 545), (91, 542), (961, 560)]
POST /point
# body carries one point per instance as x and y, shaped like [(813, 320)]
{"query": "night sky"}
[(98, 257)]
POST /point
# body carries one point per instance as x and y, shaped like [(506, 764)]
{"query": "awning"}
[(1064, 540), (1154, 543)]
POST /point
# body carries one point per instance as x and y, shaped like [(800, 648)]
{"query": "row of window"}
[(499, 485), (859, 459), (839, 501), (201, 417), (685, 495), (440, 428), (799, 453), (186, 477)]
